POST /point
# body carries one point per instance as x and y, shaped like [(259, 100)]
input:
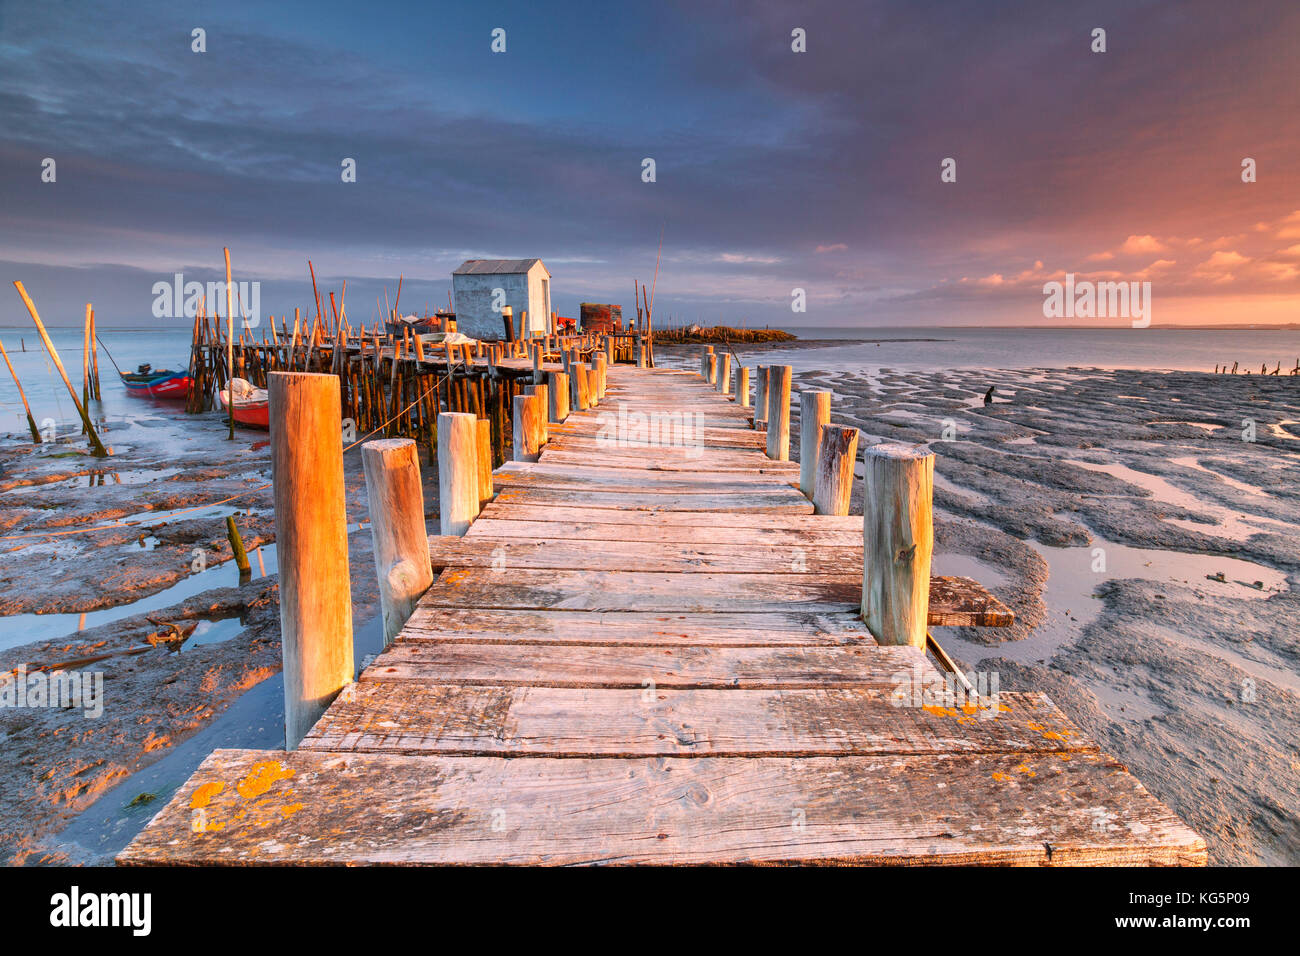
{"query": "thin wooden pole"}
[(230, 360), (898, 540), (94, 358), (458, 501), (312, 540), (778, 412), (833, 487), (31, 422), (814, 412), (96, 446), (85, 359), (397, 528)]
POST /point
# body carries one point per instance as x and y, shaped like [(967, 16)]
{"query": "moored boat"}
[(156, 383), (251, 405)]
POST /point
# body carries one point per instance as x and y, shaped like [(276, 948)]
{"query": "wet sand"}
[(176, 640), (1191, 680)]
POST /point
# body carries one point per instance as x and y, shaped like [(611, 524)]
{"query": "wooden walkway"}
[(647, 654)]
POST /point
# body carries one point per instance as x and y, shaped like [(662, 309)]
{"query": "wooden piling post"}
[(833, 483), (723, 377), (558, 395), (600, 364), (543, 394), (760, 396), (528, 418), (312, 540), (485, 488), (397, 527), (96, 446), (742, 386), (814, 412), (581, 386), (31, 422), (237, 549), (898, 539), (458, 478), (778, 412)]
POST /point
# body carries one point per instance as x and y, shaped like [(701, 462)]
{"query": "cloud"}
[(833, 247), (1135, 245)]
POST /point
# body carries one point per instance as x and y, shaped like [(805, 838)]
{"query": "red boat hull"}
[(177, 387), (253, 414)]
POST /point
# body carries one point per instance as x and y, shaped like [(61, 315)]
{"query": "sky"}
[(775, 170)]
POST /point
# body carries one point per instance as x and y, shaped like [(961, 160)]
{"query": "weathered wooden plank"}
[(724, 519), (958, 601), (680, 667), (482, 551), (255, 807), (637, 483), (616, 458), (413, 717), (595, 476), (639, 628), (722, 437), (753, 501), (539, 577), (642, 591), (667, 532)]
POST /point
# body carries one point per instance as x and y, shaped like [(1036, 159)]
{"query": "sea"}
[(898, 348)]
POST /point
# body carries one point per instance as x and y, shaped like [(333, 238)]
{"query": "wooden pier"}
[(653, 652)]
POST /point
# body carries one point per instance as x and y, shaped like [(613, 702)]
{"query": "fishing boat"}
[(251, 406), (156, 383)]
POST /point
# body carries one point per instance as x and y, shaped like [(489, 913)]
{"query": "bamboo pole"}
[(94, 359), (230, 357), (312, 539), (85, 359), (458, 501), (31, 422), (814, 412), (833, 487), (778, 412), (898, 538), (96, 446), (401, 543)]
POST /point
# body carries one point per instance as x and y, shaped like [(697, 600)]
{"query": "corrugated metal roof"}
[(499, 266)]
